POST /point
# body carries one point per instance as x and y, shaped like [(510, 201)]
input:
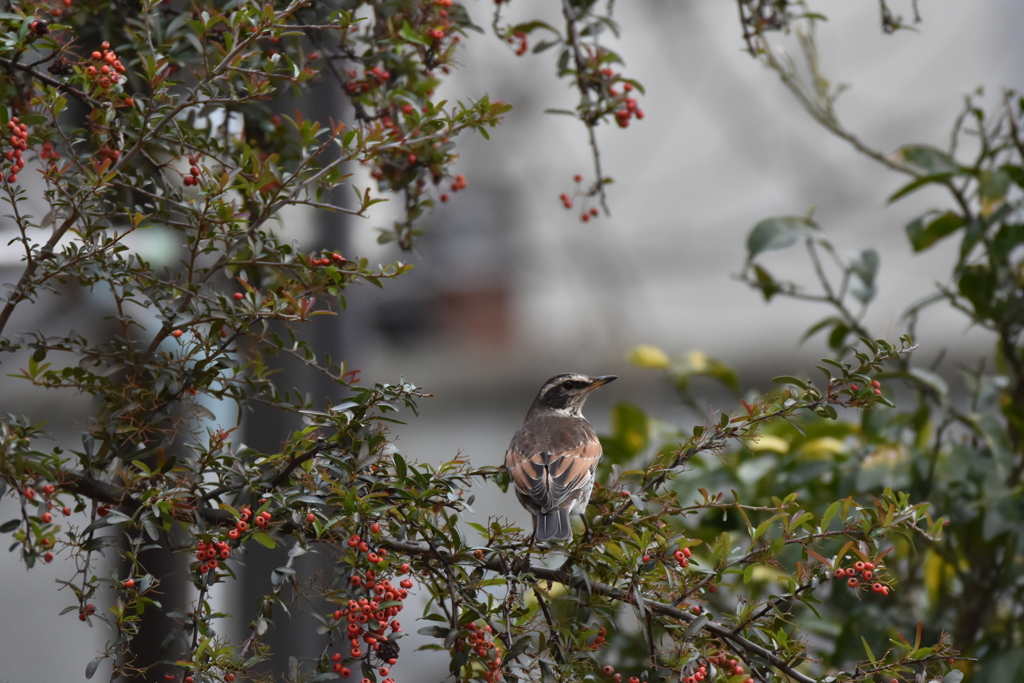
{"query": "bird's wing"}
[(550, 465)]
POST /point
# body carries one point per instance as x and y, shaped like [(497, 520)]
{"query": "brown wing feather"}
[(551, 463)]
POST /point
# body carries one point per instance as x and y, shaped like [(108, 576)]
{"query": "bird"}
[(553, 456)]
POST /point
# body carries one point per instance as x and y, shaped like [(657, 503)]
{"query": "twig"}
[(63, 87)]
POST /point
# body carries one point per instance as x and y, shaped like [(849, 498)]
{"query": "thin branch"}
[(43, 78), (21, 290)]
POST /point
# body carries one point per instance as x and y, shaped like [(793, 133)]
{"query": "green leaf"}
[(865, 265), (1007, 238), (410, 34), (778, 233), (786, 379), (531, 26), (867, 648), (518, 648), (992, 185), (766, 283), (264, 540), (90, 668), (923, 236), (9, 526), (954, 676), (830, 513), (918, 183), (1016, 174), (977, 284), (929, 159)]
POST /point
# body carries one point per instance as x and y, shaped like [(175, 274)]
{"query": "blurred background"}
[(510, 288)]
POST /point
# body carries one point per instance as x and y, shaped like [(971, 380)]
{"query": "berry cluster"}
[(867, 572), (567, 201), (681, 556), (210, 554), (324, 261), (372, 79), (609, 670), (698, 672), (107, 69), (371, 615), (876, 388), (728, 665), (87, 612), (599, 639), (480, 641), (109, 156), (192, 178), (19, 143), (49, 152), (624, 106), (523, 44), (43, 529)]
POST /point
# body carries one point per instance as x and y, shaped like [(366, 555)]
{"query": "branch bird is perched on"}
[(553, 456)]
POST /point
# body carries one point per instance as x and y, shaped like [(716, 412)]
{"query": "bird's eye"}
[(569, 386)]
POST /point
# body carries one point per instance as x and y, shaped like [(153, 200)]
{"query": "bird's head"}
[(565, 394)]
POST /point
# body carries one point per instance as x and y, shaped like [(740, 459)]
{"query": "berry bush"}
[(707, 551)]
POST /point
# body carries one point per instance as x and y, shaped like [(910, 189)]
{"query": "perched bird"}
[(553, 456)]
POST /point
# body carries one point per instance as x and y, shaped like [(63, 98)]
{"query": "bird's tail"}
[(553, 525)]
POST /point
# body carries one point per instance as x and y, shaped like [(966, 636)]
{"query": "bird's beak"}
[(600, 381)]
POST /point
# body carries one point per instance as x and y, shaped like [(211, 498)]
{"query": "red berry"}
[(229, 677), (375, 528), (608, 670), (578, 178), (854, 387), (840, 573), (877, 587), (852, 583), (877, 392), (46, 517), (876, 384), (48, 557), (383, 671), (310, 518), (48, 489), (130, 583), (859, 566), (177, 333), (345, 672)]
